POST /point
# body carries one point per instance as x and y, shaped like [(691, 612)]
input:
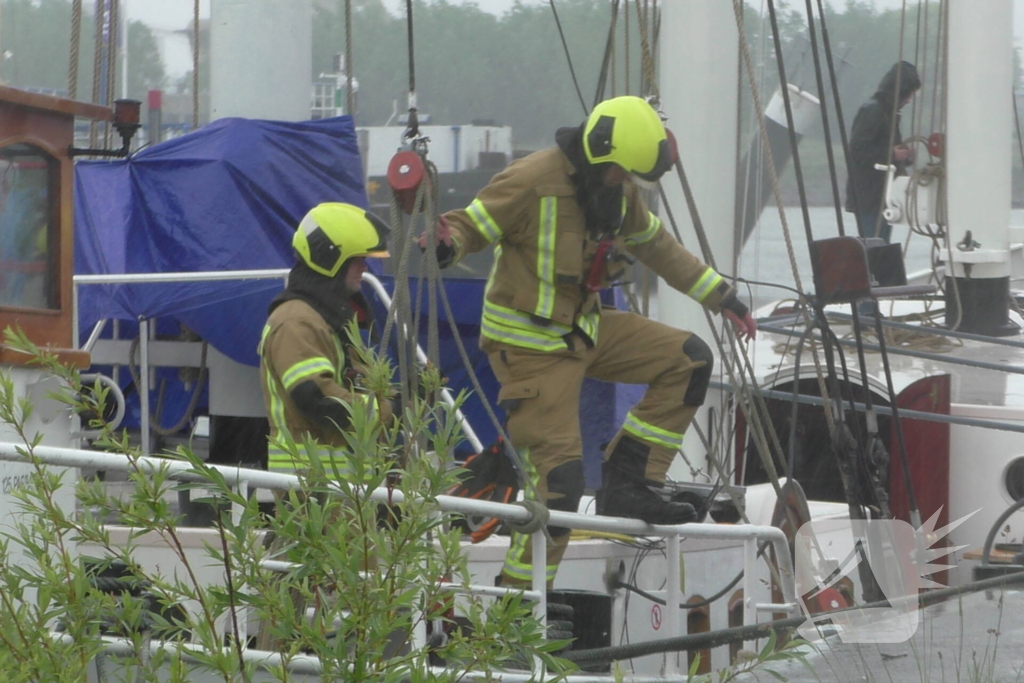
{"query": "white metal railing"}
[(219, 276), (243, 479)]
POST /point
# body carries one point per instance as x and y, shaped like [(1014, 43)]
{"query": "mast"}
[(978, 164), (261, 59), (700, 60)]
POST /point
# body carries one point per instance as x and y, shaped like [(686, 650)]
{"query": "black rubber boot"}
[(627, 493)]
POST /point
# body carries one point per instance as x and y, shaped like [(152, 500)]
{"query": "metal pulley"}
[(405, 174)]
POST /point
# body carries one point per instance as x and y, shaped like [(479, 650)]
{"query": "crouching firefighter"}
[(565, 222), (303, 361)]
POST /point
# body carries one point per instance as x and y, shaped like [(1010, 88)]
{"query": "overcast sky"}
[(169, 17)]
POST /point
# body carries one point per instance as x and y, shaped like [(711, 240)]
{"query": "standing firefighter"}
[(562, 222), (302, 354)]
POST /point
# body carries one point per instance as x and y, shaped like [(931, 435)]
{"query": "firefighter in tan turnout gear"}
[(564, 222), (303, 359)]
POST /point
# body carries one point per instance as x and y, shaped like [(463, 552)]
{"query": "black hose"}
[(710, 639), (683, 605)]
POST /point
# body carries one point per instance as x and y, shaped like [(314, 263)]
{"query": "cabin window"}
[(28, 259)]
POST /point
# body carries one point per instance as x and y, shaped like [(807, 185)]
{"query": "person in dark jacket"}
[(875, 139)]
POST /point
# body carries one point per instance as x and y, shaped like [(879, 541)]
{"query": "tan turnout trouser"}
[(541, 393)]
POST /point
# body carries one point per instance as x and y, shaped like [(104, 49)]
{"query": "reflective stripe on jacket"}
[(299, 346), (535, 294)]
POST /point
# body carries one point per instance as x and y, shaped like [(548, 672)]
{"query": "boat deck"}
[(773, 357)]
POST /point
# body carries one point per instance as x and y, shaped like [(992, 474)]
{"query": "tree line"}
[(512, 69)]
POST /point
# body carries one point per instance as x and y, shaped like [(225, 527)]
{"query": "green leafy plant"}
[(365, 584)]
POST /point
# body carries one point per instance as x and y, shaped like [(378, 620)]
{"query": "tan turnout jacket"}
[(535, 294), (297, 346)]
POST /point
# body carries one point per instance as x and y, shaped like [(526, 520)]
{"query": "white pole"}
[(699, 63), (978, 160), (143, 390)]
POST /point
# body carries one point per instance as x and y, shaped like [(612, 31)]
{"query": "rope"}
[(76, 38), (402, 314), (711, 639), (568, 57), (195, 65), (112, 38), (400, 308), (97, 67), (648, 84), (350, 97)]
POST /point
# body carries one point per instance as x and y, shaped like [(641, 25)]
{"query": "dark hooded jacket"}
[(871, 137)]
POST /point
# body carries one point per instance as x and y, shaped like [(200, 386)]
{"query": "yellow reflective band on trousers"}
[(280, 459), (650, 433), (482, 220), (304, 370), (510, 326), (653, 225), (704, 285), (546, 257), (514, 566)]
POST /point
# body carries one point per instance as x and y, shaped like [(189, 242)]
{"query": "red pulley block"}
[(937, 144), (828, 600), (405, 173)]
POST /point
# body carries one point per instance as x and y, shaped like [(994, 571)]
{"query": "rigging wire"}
[(823, 107), (895, 114), (871, 434), (797, 166), (608, 58), (568, 57)]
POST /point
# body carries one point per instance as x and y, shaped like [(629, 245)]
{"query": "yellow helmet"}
[(628, 131), (333, 232)]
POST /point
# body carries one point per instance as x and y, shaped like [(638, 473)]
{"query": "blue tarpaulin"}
[(225, 197)]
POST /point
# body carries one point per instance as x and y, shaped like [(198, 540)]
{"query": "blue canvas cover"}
[(225, 197)]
